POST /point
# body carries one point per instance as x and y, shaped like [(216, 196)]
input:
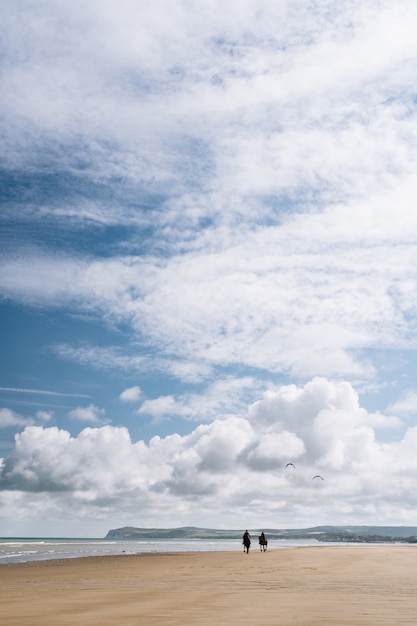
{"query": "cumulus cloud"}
[(90, 413), (159, 407), (321, 427), (132, 394), (44, 416), (272, 449), (9, 418)]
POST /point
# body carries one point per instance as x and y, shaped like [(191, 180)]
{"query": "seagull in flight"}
[(292, 464), (318, 476)]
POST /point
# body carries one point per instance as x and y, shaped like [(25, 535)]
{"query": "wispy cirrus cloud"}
[(43, 392), (323, 287)]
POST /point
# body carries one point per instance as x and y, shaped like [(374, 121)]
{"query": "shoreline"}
[(301, 586), (22, 550)]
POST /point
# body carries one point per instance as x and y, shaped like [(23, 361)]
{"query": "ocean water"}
[(17, 550)]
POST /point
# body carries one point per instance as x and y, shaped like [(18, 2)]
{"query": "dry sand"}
[(308, 586)]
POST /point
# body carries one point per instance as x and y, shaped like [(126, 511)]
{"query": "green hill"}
[(321, 533)]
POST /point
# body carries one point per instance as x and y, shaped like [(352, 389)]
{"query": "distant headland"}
[(360, 534)]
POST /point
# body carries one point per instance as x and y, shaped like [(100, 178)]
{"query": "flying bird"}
[(318, 476), (292, 464)]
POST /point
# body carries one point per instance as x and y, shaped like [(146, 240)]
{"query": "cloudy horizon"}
[(207, 265)]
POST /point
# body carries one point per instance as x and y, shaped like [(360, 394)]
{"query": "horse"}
[(246, 542), (263, 542)]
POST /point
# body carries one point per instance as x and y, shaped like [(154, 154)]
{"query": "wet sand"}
[(306, 586)]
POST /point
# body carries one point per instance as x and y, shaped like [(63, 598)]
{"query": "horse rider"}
[(263, 542), (246, 541)]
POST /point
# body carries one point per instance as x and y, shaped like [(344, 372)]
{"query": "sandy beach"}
[(303, 586)]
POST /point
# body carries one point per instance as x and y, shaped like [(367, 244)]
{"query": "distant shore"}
[(305, 586), (362, 534)]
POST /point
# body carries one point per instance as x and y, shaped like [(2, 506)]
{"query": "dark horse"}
[(246, 542), (263, 542)]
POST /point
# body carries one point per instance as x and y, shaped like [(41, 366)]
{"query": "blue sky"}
[(207, 264)]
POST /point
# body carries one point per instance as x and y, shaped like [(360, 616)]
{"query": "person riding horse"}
[(246, 542), (263, 542)]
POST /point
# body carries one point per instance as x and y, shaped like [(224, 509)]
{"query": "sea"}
[(18, 550)]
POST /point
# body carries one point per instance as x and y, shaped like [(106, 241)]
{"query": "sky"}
[(208, 264)]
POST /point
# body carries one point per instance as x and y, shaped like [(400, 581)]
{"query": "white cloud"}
[(90, 413), (273, 449), (320, 300), (45, 416), (219, 399), (132, 394), (42, 392), (381, 421), (406, 405), (9, 418), (101, 358), (226, 465), (159, 407), (278, 74), (281, 109)]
